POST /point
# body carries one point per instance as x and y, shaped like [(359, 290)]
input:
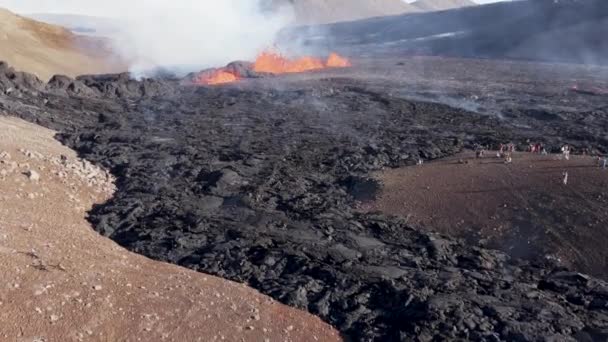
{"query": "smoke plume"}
[(176, 33)]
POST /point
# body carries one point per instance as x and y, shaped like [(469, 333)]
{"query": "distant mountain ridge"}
[(441, 5), (327, 11), (309, 12), (306, 12), (83, 24)]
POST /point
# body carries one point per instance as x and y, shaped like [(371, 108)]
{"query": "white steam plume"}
[(176, 33)]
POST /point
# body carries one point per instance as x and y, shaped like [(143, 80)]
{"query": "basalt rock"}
[(259, 186)]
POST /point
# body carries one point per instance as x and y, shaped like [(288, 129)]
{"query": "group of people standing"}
[(506, 151), (538, 148)]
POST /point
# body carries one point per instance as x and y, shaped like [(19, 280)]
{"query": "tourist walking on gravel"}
[(565, 180)]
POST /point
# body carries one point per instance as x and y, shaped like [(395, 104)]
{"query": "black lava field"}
[(258, 182)]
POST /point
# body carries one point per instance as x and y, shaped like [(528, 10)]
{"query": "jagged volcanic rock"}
[(256, 184)]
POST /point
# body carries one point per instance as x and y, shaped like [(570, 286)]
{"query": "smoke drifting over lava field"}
[(262, 181)]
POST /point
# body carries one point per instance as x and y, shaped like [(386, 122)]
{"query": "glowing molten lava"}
[(217, 77), (273, 63), (336, 61)]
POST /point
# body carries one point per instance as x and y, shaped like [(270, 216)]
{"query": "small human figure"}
[(566, 152), (544, 151), (605, 163), (508, 159), (420, 161), (565, 174)]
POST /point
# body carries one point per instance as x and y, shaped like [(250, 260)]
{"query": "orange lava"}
[(336, 61), (217, 77), (274, 63)]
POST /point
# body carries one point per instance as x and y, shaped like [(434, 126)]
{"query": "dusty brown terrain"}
[(63, 282), (523, 207), (46, 50)]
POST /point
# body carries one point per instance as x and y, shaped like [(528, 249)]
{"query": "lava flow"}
[(336, 61), (274, 63), (218, 76)]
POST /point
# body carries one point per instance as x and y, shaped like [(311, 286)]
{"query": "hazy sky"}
[(87, 6)]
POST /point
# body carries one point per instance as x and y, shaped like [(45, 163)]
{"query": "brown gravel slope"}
[(46, 50), (61, 281), (523, 208)]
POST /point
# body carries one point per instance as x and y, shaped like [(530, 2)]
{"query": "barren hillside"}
[(565, 31), (46, 50)]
